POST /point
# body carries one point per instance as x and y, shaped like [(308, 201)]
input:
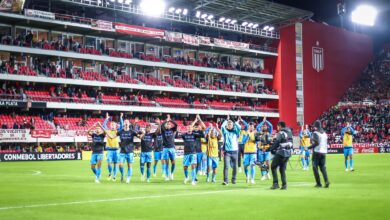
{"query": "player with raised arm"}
[(347, 134), (230, 132), (241, 145), (305, 136), (98, 144), (190, 143), (112, 147), (264, 135), (158, 146), (200, 156), (250, 151), (147, 138), (214, 134), (168, 131), (126, 136)]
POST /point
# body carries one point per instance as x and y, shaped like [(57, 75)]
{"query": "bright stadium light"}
[(152, 7), (250, 24), (271, 29), (233, 22), (266, 28), (198, 14), (228, 20), (171, 9), (244, 23), (185, 11), (112, 0), (178, 11), (221, 19), (364, 15), (203, 16), (256, 25), (127, 2), (120, 1), (210, 17)]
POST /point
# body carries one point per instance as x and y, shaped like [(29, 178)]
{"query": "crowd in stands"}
[(54, 69), (69, 44), (93, 95), (374, 84), (366, 105)]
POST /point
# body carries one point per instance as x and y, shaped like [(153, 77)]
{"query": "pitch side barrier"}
[(358, 148)]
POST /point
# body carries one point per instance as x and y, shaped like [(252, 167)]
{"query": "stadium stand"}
[(365, 105)]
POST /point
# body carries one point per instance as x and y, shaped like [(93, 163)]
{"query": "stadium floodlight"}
[(233, 22), (171, 9), (210, 17), (256, 26), (271, 29), (198, 14), (244, 23), (127, 2), (203, 16), (221, 19), (266, 28), (120, 1), (250, 24), (185, 11), (364, 15), (152, 7), (112, 0), (178, 11), (228, 20)]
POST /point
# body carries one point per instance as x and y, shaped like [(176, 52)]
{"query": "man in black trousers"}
[(282, 150), (320, 145)]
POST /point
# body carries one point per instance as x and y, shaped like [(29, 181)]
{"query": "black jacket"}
[(282, 144)]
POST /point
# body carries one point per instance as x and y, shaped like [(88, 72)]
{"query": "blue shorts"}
[(249, 159), (189, 159), (304, 153), (95, 158), (263, 156), (112, 156), (212, 162), (348, 151), (157, 155), (168, 154), (126, 157), (200, 157), (145, 157)]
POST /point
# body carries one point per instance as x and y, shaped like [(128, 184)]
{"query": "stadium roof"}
[(262, 12)]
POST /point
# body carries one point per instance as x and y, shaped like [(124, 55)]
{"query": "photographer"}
[(281, 148), (320, 146)]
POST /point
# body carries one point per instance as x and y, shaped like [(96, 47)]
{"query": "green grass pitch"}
[(66, 190)]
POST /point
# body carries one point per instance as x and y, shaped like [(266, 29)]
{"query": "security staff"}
[(282, 149), (320, 146)]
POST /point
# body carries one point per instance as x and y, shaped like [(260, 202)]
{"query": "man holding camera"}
[(282, 150)]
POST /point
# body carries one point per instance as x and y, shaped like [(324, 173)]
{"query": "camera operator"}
[(282, 149), (320, 146)]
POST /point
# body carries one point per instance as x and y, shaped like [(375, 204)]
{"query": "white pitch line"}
[(116, 199)]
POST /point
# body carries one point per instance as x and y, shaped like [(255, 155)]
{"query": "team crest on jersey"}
[(318, 57)]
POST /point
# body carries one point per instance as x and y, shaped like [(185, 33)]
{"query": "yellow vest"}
[(112, 142), (212, 147), (347, 140), (250, 145)]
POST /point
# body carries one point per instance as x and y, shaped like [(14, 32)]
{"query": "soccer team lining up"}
[(254, 142)]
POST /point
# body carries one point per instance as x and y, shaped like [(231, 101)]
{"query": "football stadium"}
[(194, 109)]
